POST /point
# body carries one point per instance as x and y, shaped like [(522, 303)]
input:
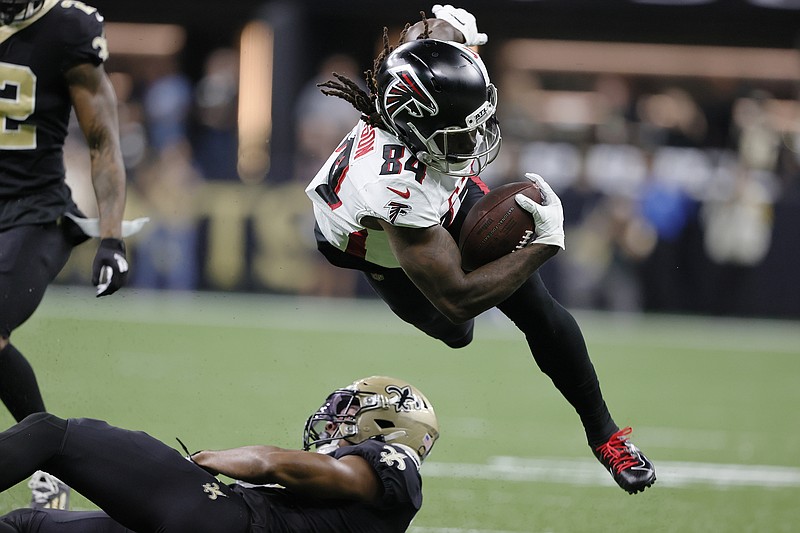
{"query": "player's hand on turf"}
[(548, 217), (110, 267), (463, 21)]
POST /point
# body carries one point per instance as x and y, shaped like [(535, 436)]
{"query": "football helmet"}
[(17, 10), (378, 407), (437, 98)]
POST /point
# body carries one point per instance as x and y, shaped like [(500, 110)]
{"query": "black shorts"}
[(31, 257)]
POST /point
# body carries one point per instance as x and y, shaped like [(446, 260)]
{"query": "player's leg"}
[(559, 348), (56, 521), (19, 389), (557, 344), (30, 258), (139, 481)]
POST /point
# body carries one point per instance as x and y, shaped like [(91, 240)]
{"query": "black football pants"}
[(141, 483), (30, 259)]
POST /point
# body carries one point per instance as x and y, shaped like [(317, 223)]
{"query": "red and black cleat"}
[(627, 464)]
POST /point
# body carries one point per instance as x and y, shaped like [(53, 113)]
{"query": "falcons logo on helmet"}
[(406, 92)]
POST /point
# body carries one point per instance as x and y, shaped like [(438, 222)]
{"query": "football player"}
[(391, 199), (51, 61), (358, 471)]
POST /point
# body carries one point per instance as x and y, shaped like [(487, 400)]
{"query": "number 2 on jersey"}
[(17, 103)]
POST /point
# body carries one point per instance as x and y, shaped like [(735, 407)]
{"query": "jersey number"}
[(17, 103), (392, 156)]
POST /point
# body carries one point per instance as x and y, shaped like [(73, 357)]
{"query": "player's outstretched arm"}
[(96, 109), (309, 473)]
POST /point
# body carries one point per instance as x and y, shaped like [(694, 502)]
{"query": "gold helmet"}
[(378, 407)]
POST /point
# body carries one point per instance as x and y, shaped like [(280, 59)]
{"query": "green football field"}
[(714, 403)]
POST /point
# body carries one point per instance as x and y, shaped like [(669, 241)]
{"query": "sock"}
[(19, 390)]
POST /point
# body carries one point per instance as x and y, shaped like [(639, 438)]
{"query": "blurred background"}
[(670, 129)]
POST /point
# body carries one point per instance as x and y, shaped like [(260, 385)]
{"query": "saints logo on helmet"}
[(17, 10), (436, 97), (387, 409)]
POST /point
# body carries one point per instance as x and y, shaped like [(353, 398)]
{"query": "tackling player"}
[(370, 439), (391, 199), (51, 60)]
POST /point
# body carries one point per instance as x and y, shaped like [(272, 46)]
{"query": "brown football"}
[(497, 225)]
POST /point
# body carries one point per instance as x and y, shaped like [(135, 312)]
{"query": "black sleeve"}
[(397, 467), (83, 36)]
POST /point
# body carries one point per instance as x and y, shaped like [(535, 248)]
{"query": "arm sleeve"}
[(83, 37), (396, 466)]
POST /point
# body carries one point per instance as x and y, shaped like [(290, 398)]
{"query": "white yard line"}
[(589, 472)]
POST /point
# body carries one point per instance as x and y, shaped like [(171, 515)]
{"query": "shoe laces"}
[(43, 486), (617, 451)]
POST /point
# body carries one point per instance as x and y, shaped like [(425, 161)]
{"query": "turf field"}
[(714, 403)]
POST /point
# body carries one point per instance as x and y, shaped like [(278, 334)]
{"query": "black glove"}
[(110, 268)]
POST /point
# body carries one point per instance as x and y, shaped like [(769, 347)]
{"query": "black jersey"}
[(277, 510), (35, 106)]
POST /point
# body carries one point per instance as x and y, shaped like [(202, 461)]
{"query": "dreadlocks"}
[(345, 88)]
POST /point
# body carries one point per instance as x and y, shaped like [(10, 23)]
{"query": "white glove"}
[(463, 21), (548, 217)]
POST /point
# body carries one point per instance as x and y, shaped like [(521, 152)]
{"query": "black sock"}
[(19, 390)]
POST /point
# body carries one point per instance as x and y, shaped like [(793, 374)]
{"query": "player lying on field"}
[(370, 439)]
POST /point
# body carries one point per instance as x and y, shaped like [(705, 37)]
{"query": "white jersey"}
[(372, 174)]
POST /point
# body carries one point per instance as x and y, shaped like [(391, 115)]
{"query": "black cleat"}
[(627, 464), (48, 492)]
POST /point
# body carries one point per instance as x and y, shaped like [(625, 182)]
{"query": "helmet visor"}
[(16, 10), (334, 420), (465, 151)]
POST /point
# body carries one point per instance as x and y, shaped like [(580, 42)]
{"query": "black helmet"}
[(437, 98)]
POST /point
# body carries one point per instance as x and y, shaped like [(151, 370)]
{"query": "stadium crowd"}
[(671, 186)]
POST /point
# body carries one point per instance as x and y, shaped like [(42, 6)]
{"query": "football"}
[(497, 225)]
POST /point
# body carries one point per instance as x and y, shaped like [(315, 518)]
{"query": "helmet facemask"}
[(333, 421), (18, 10), (463, 151)]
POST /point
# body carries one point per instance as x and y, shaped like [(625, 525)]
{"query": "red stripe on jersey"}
[(343, 174), (479, 182), (447, 219), (357, 244)]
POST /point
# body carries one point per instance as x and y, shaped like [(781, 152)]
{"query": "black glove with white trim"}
[(110, 267)]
